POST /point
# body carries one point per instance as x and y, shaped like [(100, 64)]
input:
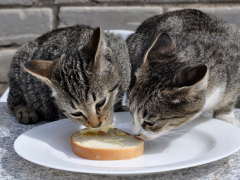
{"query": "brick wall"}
[(23, 20)]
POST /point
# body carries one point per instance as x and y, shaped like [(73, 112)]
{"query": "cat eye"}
[(144, 114), (100, 104), (149, 123), (115, 87), (77, 114)]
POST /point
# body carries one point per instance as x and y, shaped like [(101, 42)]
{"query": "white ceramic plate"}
[(202, 141)]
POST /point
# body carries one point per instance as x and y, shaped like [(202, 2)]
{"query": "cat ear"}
[(96, 44), (162, 46), (193, 79), (95, 40), (40, 69), (97, 47)]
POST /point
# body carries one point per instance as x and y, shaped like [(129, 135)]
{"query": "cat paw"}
[(25, 115), (229, 118), (234, 121)]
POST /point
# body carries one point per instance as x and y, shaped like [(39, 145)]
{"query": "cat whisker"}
[(157, 143), (116, 107), (172, 136), (115, 104), (176, 133), (183, 129), (150, 144), (117, 101), (154, 142), (108, 113), (181, 132), (166, 138)]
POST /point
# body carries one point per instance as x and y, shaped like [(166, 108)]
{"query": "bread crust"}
[(106, 154)]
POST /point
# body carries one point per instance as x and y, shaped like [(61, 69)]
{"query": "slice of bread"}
[(113, 145)]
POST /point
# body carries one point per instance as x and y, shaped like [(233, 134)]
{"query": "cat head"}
[(84, 83), (167, 92)]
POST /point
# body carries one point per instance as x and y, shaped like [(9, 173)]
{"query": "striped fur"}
[(79, 75), (169, 88)]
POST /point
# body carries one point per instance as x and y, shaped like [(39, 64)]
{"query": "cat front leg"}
[(17, 105), (226, 114), (25, 115)]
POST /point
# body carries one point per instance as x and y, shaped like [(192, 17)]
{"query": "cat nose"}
[(94, 122), (97, 125)]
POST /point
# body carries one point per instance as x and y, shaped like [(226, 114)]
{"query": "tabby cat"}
[(183, 63), (75, 72)]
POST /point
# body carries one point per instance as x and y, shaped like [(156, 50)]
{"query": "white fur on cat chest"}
[(213, 98)]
